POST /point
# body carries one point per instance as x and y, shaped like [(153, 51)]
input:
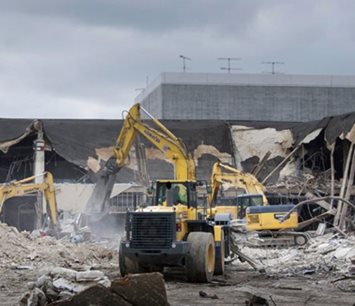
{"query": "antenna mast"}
[(184, 58), (229, 59), (273, 63)]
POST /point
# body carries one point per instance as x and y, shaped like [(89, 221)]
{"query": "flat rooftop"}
[(246, 79)]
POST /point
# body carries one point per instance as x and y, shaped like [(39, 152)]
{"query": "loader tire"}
[(127, 265), (201, 258), (219, 260)]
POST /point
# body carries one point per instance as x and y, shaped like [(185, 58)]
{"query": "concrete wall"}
[(153, 103), (249, 97), (73, 197), (254, 102)]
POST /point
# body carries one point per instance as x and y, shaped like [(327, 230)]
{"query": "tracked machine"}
[(249, 212)]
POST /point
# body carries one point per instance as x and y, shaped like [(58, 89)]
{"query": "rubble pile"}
[(61, 283), (21, 249), (68, 287), (328, 254)]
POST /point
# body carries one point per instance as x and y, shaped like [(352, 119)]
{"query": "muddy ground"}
[(235, 288)]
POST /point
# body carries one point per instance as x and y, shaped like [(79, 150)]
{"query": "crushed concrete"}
[(94, 288), (19, 250), (61, 283), (328, 254)]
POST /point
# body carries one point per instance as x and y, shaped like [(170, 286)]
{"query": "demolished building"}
[(293, 158)]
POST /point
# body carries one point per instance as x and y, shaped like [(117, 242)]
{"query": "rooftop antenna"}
[(273, 63), (184, 58), (229, 59), (141, 89)]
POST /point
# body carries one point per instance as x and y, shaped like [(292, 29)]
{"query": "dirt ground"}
[(235, 288), (310, 276), (239, 283)]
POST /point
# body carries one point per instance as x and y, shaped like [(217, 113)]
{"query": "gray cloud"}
[(85, 58), (155, 15)]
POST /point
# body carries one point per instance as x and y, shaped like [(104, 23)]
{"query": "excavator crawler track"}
[(280, 239)]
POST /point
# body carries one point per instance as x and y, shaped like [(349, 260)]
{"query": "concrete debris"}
[(329, 254), (88, 276), (321, 229), (26, 252), (137, 289), (35, 298), (207, 149), (63, 272), (61, 283), (83, 234), (206, 295)]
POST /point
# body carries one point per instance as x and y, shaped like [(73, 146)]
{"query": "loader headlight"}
[(127, 244), (173, 245)]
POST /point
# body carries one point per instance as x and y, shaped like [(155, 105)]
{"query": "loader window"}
[(171, 194), (193, 195)]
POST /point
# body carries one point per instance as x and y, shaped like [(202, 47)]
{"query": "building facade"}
[(257, 97)]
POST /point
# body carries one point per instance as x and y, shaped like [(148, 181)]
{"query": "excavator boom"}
[(222, 173), (26, 186), (171, 146), (164, 140)]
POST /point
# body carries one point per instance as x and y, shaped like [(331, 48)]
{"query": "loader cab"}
[(172, 192)]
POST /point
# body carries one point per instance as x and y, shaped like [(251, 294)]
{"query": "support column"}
[(38, 169), (39, 157)]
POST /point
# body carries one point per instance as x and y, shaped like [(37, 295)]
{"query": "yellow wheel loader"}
[(173, 231)]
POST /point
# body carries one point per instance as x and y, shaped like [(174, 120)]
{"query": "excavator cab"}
[(248, 200)]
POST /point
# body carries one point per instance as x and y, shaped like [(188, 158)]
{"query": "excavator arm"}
[(26, 186), (164, 140), (222, 173), (171, 146)]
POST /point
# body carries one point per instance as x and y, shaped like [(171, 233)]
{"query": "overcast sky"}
[(87, 58)]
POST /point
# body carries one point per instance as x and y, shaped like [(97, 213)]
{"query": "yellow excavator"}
[(27, 186), (250, 208), (171, 231), (241, 191)]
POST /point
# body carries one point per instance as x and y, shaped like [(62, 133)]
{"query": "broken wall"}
[(73, 196), (251, 144)]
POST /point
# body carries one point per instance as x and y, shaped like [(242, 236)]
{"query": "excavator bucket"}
[(98, 203)]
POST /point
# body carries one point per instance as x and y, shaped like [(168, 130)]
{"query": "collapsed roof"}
[(79, 140)]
